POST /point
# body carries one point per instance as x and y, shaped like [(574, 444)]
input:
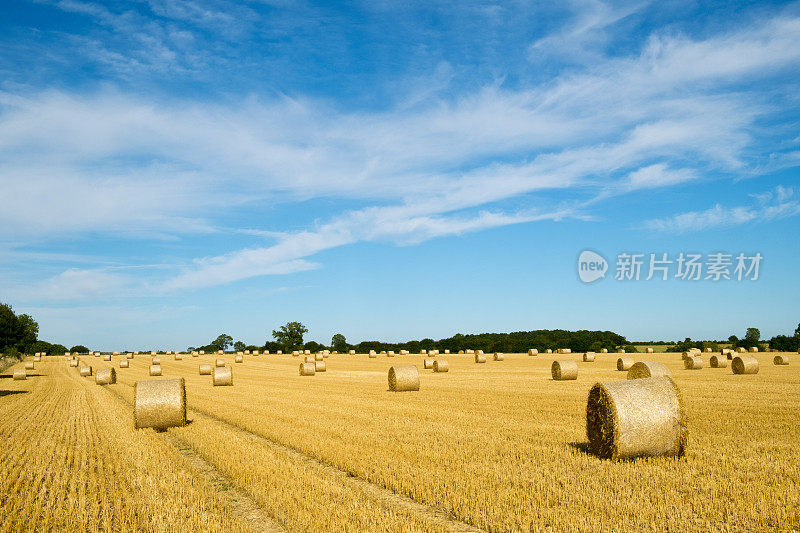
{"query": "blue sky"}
[(172, 170)]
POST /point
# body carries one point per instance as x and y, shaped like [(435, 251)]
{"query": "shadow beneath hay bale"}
[(6, 377), (10, 392), (582, 447)]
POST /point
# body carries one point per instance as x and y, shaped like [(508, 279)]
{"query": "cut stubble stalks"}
[(159, 404), (403, 378), (636, 418)]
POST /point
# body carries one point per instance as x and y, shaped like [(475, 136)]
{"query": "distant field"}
[(497, 446)]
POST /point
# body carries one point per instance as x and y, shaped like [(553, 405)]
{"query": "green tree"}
[(239, 346), (29, 331), (291, 335), (79, 348), (339, 342), (797, 331), (222, 342), (752, 336)]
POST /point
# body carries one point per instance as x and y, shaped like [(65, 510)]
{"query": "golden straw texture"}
[(744, 364), (159, 404), (648, 369), (564, 370), (403, 378)]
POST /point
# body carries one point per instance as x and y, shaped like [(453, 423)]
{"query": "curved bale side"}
[(155, 361), (624, 363), (480, 357), (155, 370), (320, 366), (693, 363), (223, 376), (780, 360), (428, 363), (588, 357), (124, 363), (159, 403), (307, 369), (238, 359), (636, 418), (86, 371), (319, 357), (744, 364), (533, 351), (29, 365), (718, 361), (19, 375), (564, 370), (648, 350), (403, 378), (440, 365), (219, 363), (309, 359), (372, 354), (105, 376), (648, 369), (498, 356), (205, 369)]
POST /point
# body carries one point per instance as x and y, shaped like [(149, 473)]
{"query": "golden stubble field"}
[(496, 446)]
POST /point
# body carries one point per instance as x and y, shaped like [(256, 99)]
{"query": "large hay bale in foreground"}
[(498, 356), (238, 359), (564, 370), (624, 363), (159, 404), (428, 363), (205, 369), (319, 366), (86, 371), (588, 357), (29, 365), (440, 365), (223, 376), (308, 369), (124, 363), (636, 418), (479, 357), (693, 363), (219, 363), (533, 351), (648, 369), (105, 376), (155, 370), (403, 378), (744, 364), (718, 361), (780, 360), (19, 374)]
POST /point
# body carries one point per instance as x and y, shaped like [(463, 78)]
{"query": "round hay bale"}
[(129, 356), (588, 357), (423, 352), (745, 364), (479, 357), (636, 418), (295, 353), (220, 352), (107, 357), (403, 378), (73, 362), (37, 359), (622, 350), (155, 370), (717, 361), (178, 357), (153, 353), (194, 353), (708, 350), (447, 352), (155, 361), (548, 350), (238, 359), (648, 350), (352, 352), (372, 354), (306, 352), (740, 350), (219, 363), (648, 369), (780, 360), (279, 352), (159, 404), (29, 365), (564, 370), (390, 353), (624, 363), (470, 352), (309, 359), (461, 352), (105, 376), (498, 356), (168, 352), (20, 374), (440, 365), (427, 363), (753, 349), (693, 363), (308, 369), (205, 369), (319, 357), (533, 351), (124, 363), (247, 352), (256, 352), (604, 350), (223, 376), (86, 371), (319, 366)]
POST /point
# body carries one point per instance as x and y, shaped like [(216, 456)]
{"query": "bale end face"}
[(220, 363), (440, 365), (564, 370), (159, 404), (744, 364), (780, 360), (403, 378)]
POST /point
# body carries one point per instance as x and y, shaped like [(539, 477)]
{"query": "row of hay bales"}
[(743, 363)]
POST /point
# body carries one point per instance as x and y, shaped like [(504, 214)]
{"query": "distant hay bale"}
[(155, 370), (308, 369), (86, 371), (255, 352), (533, 351), (73, 362), (718, 361), (105, 376), (37, 359), (741, 350), (745, 364), (693, 363), (318, 357), (29, 365), (498, 356), (115, 353), (178, 357), (461, 352), (295, 353), (604, 350), (223, 376), (648, 369), (238, 359), (159, 404), (202, 352), (622, 350), (247, 352), (352, 352), (135, 352), (319, 366), (564, 370), (564, 350), (648, 350), (588, 357), (423, 352), (20, 374), (390, 353), (372, 354), (168, 352), (123, 363), (206, 369), (780, 360), (708, 350), (279, 352), (624, 363), (753, 349), (307, 352), (153, 353), (447, 351), (309, 359), (220, 352), (470, 352), (403, 378), (638, 418), (548, 351), (480, 357), (440, 365), (129, 356), (219, 363), (155, 361), (195, 354), (427, 363)]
